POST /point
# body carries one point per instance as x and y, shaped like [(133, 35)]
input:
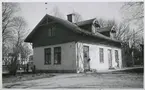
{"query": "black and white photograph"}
[(73, 45)]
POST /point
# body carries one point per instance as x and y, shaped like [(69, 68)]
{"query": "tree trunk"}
[(13, 66)]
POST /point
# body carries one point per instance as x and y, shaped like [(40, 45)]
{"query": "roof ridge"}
[(86, 20), (71, 26)]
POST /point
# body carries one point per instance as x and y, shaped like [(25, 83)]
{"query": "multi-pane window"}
[(47, 55), (101, 54), (57, 55), (110, 58), (51, 31)]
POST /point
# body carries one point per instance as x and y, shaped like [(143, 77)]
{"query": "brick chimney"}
[(71, 17)]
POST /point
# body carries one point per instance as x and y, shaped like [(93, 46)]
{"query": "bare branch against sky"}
[(33, 12)]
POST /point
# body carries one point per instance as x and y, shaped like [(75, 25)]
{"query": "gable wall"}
[(62, 35)]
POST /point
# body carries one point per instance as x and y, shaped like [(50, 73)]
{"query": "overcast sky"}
[(33, 12)]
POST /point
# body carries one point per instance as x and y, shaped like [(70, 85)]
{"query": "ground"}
[(24, 77), (89, 80)]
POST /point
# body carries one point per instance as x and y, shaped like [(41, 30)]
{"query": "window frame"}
[(57, 53), (101, 55), (116, 55), (47, 52), (51, 31)]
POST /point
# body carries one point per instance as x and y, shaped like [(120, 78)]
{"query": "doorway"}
[(86, 58)]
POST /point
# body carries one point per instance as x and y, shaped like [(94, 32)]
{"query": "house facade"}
[(65, 46)]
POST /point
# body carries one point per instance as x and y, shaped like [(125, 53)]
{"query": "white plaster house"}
[(64, 46)]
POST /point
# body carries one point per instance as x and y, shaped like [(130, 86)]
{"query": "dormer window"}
[(51, 31), (96, 24), (113, 29)]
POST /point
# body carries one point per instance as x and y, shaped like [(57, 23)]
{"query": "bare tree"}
[(19, 47), (19, 27), (106, 23), (25, 50), (111, 23), (102, 22), (56, 12), (8, 11), (125, 34), (133, 14), (122, 32), (20, 34), (133, 11), (77, 17), (13, 33)]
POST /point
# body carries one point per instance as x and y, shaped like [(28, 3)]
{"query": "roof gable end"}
[(69, 25)]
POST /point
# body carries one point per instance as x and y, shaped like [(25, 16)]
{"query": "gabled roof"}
[(90, 21), (71, 26), (82, 23)]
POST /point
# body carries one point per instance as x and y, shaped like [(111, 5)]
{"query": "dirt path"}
[(132, 80)]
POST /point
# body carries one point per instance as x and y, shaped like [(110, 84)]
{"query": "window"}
[(110, 58), (101, 55), (116, 57), (57, 55), (51, 31), (47, 56)]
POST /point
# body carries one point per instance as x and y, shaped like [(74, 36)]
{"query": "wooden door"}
[(86, 58)]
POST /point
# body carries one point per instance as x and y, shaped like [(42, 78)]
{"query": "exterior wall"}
[(68, 60), (94, 56), (61, 35)]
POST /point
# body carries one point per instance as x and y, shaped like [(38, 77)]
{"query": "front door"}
[(110, 58), (86, 58)]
